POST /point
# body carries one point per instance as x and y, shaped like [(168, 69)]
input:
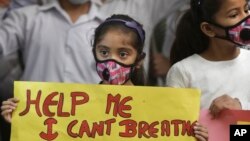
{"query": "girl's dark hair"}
[(129, 26), (189, 37)]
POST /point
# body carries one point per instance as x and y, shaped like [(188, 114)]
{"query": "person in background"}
[(22, 3), (9, 65), (50, 51), (9, 70), (207, 54), (15, 4), (52, 39), (161, 42)]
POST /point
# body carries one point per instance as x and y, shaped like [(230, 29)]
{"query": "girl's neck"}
[(218, 52), (75, 11), (129, 82)]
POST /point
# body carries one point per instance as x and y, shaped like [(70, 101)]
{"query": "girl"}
[(118, 47), (118, 50), (206, 53)]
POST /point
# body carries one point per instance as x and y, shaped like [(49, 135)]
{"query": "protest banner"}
[(63, 112)]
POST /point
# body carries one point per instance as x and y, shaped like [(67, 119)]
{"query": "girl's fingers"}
[(200, 138), (7, 115), (214, 111), (8, 118), (15, 100), (8, 107), (199, 127), (9, 103), (6, 112), (5, 107), (201, 132)]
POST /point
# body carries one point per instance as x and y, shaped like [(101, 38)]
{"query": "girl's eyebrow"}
[(102, 46), (246, 5), (228, 12), (125, 49)]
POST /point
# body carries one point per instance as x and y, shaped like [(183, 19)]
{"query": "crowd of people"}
[(171, 43)]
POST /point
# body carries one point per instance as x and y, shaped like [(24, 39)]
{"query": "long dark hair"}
[(189, 37), (137, 36)]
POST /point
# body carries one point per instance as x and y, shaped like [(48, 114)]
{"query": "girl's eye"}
[(104, 53), (247, 10), (233, 15), (123, 54)]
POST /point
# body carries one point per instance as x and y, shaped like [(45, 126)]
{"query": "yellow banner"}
[(64, 112)]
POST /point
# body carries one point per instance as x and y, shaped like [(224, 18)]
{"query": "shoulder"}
[(34, 9), (27, 10), (243, 57), (191, 61), (22, 15), (179, 74)]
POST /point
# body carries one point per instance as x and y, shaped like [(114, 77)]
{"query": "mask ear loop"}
[(137, 63), (139, 58), (227, 37)]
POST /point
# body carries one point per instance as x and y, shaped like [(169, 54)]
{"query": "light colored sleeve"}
[(21, 3), (176, 77), (11, 33)]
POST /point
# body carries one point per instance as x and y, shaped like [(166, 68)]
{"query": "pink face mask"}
[(114, 72), (238, 33)]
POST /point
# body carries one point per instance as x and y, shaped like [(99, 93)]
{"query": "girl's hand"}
[(8, 107), (200, 132), (224, 102)]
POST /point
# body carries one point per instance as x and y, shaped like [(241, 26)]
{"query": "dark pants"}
[(4, 130), (10, 70)]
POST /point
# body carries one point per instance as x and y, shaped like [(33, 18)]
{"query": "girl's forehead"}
[(117, 38), (228, 5)]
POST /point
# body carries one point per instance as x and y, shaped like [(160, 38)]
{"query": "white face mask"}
[(78, 1)]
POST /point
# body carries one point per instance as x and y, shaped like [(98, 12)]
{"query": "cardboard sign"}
[(219, 128), (63, 112)]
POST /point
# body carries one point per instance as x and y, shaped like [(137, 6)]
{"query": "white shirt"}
[(54, 48), (21, 3), (3, 71), (2, 12), (214, 78)]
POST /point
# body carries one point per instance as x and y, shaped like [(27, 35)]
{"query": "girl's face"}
[(231, 12), (116, 45)]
